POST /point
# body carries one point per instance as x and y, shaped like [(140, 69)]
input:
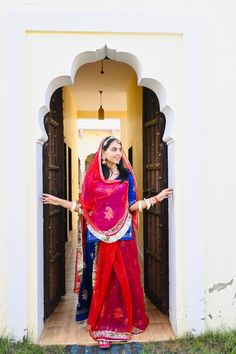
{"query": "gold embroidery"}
[(109, 191), (118, 313), (109, 213), (110, 334), (85, 294), (114, 335), (95, 263), (136, 330), (110, 239)]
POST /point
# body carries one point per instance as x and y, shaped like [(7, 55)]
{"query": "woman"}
[(110, 291)]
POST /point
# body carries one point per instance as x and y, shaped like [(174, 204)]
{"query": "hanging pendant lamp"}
[(102, 71), (101, 110)]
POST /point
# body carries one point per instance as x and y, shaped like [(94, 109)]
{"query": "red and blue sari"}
[(110, 294)]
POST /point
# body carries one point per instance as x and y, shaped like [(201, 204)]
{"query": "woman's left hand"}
[(164, 194)]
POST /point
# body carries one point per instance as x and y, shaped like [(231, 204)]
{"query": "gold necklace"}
[(112, 171)]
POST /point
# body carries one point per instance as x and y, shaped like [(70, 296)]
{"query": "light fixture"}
[(101, 110), (102, 71)]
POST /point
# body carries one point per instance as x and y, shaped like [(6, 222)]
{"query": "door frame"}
[(186, 225), (179, 274), (187, 302)]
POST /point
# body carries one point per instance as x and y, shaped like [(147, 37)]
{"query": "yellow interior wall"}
[(131, 135), (71, 140)]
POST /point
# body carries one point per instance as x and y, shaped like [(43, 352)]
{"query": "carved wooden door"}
[(54, 216), (156, 274)]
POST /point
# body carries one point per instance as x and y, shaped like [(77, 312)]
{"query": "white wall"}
[(193, 58)]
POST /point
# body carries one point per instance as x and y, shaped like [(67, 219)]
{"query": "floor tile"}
[(60, 335), (161, 331), (69, 286), (70, 295), (142, 337), (70, 277), (85, 338), (61, 318), (66, 305), (149, 305), (156, 316)]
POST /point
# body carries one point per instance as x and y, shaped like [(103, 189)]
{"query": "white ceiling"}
[(114, 84)]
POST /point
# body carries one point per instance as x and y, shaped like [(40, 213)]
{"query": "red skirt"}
[(117, 309)]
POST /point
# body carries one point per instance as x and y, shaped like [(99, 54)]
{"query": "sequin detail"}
[(118, 313), (113, 335), (117, 236), (109, 213), (110, 335)]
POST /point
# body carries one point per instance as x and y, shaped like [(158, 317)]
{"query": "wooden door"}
[(54, 216), (156, 274), (69, 194), (66, 212)]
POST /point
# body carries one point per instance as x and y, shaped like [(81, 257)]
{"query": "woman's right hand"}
[(50, 199)]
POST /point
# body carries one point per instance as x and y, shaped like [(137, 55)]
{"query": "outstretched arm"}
[(146, 203), (51, 199)]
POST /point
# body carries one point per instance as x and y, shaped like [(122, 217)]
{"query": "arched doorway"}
[(159, 62), (155, 232)]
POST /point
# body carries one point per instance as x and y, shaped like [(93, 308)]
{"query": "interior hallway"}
[(61, 327)]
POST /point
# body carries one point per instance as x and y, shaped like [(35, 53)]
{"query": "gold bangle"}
[(140, 208), (151, 201), (148, 203), (73, 206)]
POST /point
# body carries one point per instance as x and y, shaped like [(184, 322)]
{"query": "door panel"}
[(54, 216), (156, 274), (70, 184)]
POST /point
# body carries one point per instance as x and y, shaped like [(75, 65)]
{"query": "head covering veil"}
[(105, 202)]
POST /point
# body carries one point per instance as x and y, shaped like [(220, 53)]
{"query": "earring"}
[(103, 161)]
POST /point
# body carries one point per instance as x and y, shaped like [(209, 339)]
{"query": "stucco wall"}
[(41, 77)]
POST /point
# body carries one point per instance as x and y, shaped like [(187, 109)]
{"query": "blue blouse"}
[(90, 237)]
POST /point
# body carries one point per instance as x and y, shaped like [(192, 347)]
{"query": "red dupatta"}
[(105, 203)]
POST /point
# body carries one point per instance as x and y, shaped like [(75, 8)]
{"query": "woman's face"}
[(113, 153)]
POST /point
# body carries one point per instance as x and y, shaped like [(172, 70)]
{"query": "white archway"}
[(99, 54), (169, 48), (158, 88)]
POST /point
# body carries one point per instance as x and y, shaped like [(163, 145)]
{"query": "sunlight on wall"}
[(131, 135), (71, 140)]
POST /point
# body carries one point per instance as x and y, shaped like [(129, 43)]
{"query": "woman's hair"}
[(123, 172)]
